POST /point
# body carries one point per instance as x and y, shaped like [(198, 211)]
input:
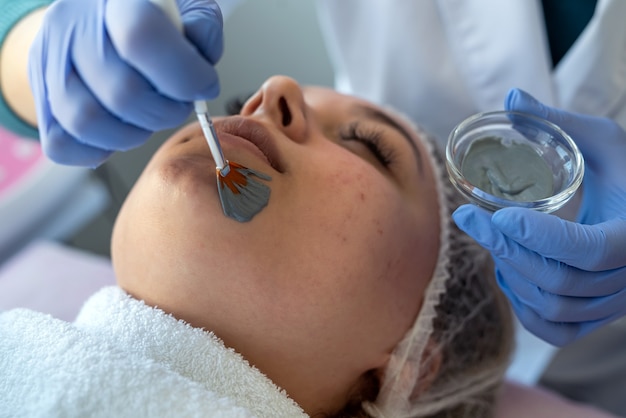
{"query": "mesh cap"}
[(451, 362)]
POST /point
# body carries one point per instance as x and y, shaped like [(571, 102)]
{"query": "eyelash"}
[(371, 139)]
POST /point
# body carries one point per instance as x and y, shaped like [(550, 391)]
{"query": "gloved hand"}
[(105, 74), (564, 279)]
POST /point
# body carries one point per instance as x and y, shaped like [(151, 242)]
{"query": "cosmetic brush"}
[(241, 195)]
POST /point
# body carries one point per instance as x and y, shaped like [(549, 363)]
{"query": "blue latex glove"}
[(106, 74), (564, 279)]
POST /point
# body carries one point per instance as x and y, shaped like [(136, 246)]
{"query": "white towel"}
[(121, 358)]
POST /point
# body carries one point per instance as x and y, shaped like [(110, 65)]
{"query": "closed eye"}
[(371, 139)]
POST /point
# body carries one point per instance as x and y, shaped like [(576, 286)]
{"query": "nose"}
[(281, 100)]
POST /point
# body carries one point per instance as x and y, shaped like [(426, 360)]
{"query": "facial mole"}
[(284, 109), (379, 228)]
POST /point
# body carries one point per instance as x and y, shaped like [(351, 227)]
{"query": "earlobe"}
[(429, 368), (416, 378)]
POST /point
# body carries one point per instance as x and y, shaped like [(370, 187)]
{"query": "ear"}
[(419, 378), (429, 368)]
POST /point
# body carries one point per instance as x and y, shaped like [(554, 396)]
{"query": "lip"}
[(255, 133)]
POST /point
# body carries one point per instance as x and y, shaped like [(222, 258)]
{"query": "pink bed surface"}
[(52, 278), (522, 401)]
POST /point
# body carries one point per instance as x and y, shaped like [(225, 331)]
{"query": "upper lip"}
[(255, 133)]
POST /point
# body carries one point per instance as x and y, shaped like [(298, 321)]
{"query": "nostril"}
[(284, 109)]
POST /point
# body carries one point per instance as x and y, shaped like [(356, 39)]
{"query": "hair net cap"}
[(452, 360)]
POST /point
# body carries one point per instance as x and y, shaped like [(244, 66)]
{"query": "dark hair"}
[(365, 390), (234, 105)]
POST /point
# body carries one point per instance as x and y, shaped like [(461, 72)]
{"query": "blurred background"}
[(262, 38)]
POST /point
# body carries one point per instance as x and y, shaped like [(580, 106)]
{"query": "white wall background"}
[(268, 37)]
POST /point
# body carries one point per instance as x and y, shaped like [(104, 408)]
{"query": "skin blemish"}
[(378, 227)]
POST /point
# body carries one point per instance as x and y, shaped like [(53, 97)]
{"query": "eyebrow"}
[(385, 119)]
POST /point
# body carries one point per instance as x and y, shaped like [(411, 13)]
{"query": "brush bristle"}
[(241, 195)]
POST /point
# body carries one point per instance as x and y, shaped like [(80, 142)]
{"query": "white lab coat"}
[(443, 60), (440, 61)]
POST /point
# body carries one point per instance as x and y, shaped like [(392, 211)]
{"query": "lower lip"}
[(230, 141)]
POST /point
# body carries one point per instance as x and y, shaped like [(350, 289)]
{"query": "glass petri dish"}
[(512, 159)]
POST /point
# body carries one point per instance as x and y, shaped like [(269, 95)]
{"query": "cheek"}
[(351, 201), (356, 217), (369, 244)]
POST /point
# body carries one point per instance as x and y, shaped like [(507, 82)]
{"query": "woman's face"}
[(318, 287)]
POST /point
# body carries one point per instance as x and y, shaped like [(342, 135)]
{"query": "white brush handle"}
[(211, 137), (170, 8)]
